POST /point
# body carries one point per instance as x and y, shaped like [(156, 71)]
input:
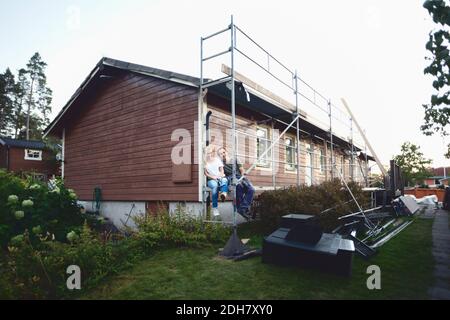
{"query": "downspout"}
[(208, 115), (63, 152)]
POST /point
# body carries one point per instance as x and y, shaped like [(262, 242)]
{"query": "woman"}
[(216, 178)]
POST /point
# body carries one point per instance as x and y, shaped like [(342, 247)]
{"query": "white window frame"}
[(292, 166), (309, 170), (267, 163), (36, 152), (322, 160)]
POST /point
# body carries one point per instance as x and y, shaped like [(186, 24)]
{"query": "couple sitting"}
[(219, 173)]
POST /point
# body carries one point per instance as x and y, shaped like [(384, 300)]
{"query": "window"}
[(351, 168), (291, 159), (31, 154), (262, 144), (322, 161), (342, 166)]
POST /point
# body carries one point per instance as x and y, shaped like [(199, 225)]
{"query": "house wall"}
[(3, 157), (262, 177), (120, 140), (18, 163)]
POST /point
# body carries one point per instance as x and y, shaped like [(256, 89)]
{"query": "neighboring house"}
[(436, 181), (27, 157), (118, 134)]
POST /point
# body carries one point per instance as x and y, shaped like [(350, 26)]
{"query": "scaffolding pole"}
[(353, 151), (233, 78), (298, 130), (331, 140), (253, 166), (233, 121), (274, 183), (234, 246), (201, 134)]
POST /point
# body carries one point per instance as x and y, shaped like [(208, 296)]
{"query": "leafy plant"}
[(178, 228), (29, 204), (413, 164), (437, 112), (311, 200)]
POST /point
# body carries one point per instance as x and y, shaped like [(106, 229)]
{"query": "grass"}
[(406, 264)]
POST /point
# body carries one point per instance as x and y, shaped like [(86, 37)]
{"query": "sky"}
[(369, 52)]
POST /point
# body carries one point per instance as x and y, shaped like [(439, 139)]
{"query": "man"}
[(244, 189)]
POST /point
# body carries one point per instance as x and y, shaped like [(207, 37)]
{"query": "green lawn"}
[(406, 266)]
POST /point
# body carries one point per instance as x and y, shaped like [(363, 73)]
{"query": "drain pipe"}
[(208, 115)]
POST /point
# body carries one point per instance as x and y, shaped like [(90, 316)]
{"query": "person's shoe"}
[(223, 196), (245, 214), (215, 213)]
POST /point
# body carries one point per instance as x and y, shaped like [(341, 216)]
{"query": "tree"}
[(437, 112), (20, 90), (34, 129), (413, 164), (25, 103), (39, 95), (6, 101)]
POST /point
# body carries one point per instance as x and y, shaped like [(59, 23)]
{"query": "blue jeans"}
[(216, 186), (244, 194)]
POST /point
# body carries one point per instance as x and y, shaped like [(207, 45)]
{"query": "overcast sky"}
[(370, 52)]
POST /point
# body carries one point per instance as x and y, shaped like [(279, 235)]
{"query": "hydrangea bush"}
[(31, 205)]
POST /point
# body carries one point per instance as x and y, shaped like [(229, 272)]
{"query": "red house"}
[(121, 127), (27, 157)]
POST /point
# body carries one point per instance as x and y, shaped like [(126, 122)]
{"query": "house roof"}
[(154, 72), (101, 70), (25, 144), (438, 177), (256, 103)]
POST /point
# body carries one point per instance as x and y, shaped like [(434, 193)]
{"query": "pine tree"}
[(7, 83), (39, 96), (20, 90)]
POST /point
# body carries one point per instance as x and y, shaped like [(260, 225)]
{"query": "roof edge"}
[(127, 66)]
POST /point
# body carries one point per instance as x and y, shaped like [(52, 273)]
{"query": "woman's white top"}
[(213, 166)]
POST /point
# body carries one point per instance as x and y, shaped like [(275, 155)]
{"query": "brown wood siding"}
[(120, 140), (262, 177), (18, 163), (3, 157)]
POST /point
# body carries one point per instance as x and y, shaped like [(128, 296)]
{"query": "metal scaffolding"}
[(318, 100)]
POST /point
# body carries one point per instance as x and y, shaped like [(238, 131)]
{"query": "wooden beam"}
[(383, 170)]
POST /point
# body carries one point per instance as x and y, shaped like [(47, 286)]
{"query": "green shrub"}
[(29, 204), (178, 228), (39, 271), (310, 200)]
